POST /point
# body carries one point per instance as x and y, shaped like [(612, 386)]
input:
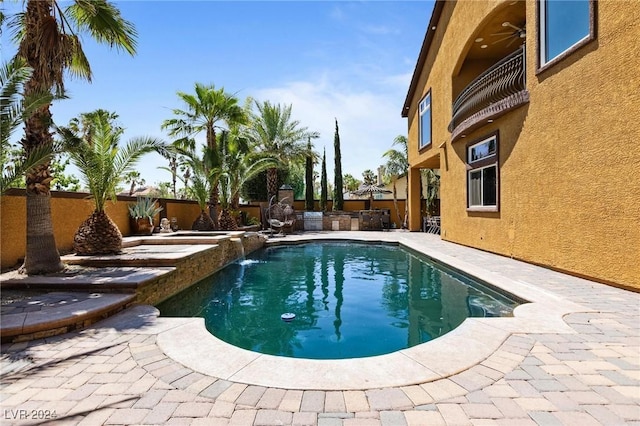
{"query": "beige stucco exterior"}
[(569, 159)]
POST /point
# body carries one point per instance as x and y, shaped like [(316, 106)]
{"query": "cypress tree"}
[(323, 182), (338, 196), (308, 179)]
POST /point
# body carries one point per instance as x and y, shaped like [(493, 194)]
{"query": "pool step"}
[(37, 316)]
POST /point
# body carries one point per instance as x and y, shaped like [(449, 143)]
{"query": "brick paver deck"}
[(119, 375)]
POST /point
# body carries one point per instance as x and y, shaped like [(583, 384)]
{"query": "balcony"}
[(493, 93)]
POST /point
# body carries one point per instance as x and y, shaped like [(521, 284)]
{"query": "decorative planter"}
[(141, 226)]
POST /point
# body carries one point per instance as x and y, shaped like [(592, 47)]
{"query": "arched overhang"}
[(488, 79)]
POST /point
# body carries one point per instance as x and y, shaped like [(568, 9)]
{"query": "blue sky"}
[(330, 59)]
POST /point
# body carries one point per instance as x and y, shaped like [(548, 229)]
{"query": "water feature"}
[(237, 242)]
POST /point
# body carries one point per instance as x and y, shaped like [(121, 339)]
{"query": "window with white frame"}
[(425, 121), (482, 174), (564, 25)]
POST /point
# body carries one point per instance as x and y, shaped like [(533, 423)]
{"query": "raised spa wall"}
[(195, 267)]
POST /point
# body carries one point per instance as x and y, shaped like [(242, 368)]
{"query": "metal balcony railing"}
[(502, 80)]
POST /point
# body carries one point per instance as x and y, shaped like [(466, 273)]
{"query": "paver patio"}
[(112, 373)]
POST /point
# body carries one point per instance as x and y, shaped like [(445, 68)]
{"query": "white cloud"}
[(379, 29), (368, 119), (337, 13)]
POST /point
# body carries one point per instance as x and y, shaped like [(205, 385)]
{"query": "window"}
[(425, 121), (482, 175), (563, 26), (481, 150)]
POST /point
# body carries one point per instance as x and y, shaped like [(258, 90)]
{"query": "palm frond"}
[(278, 135), (79, 66), (103, 21), (127, 156), (98, 156), (397, 160)]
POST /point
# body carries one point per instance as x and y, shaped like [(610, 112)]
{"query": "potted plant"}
[(141, 215)]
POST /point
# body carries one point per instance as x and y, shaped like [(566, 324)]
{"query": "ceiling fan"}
[(516, 34)]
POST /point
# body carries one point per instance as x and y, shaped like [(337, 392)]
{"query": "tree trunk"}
[(272, 183), (97, 235), (203, 222), (42, 255), (213, 195), (173, 164), (308, 181), (227, 221), (213, 209), (235, 202)]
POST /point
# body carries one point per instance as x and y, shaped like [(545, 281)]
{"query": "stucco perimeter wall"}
[(569, 161), (68, 211)]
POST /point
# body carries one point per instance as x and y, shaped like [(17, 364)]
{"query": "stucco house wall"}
[(569, 160)]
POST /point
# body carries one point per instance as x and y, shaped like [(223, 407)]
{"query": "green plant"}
[(338, 195), (252, 220), (205, 111), (49, 37), (15, 110), (102, 163), (144, 207), (280, 137)]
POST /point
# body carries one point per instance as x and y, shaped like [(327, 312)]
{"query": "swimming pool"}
[(349, 299)]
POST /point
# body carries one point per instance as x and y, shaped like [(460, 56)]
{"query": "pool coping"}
[(188, 342)]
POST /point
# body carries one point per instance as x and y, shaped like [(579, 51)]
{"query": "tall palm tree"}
[(280, 137), (14, 110), (398, 165), (238, 164), (205, 111), (201, 171), (48, 38), (103, 165)]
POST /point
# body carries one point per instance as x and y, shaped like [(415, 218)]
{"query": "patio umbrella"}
[(370, 190)]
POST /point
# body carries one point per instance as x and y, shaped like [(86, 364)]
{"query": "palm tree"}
[(200, 187), (368, 177), (172, 158), (14, 110), (204, 111), (135, 179), (398, 165), (49, 41), (237, 165), (433, 188), (279, 137), (350, 183), (103, 165)]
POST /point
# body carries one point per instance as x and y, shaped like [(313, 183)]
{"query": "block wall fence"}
[(70, 209)]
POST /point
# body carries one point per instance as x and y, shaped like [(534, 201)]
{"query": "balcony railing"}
[(503, 81)]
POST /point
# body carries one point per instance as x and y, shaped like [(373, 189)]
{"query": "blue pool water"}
[(349, 299)]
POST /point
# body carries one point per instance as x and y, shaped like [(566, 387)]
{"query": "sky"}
[(345, 60)]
